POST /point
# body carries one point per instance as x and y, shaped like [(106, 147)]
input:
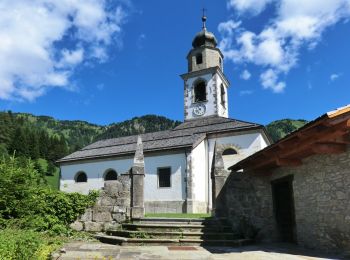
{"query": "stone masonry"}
[(137, 183), (249, 206), (111, 209), (321, 201), (219, 176), (119, 200)]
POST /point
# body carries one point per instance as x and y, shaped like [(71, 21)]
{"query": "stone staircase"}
[(173, 231)]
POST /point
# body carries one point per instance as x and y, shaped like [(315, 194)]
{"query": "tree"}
[(19, 144), (51, 168)]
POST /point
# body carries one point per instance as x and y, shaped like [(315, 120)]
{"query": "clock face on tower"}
[(199, 110)]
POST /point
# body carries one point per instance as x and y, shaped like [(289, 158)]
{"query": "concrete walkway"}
[(97, 251)]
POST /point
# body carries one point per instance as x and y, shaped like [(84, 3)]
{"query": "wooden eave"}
[(328, 134)]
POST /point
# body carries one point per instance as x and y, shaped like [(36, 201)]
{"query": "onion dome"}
[(204, 38)]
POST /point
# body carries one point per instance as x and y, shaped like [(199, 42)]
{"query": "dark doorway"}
[(283, 200)]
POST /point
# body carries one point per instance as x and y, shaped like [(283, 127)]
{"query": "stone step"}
[(203, 221), (171, 220), (168, 242), (175, 227), (171, 235)]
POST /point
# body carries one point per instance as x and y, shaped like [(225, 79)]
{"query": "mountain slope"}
[(280, 128), (138, 125), (19, 129)]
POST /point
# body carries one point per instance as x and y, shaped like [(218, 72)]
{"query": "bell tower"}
[(205, 83)]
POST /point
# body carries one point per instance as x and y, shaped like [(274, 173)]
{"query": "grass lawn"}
[(53, 181), (177, 215)]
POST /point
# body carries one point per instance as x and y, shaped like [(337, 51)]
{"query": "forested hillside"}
[(138, 125), (48, 138), (45, 137), (280, 128)]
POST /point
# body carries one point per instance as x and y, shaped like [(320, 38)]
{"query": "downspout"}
[(185, 178), (208, 174)]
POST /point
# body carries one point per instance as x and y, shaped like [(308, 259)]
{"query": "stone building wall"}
[(249, 206), (321, 187), (322, 201), (111, 208)]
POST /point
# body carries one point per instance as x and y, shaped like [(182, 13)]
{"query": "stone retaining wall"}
[(111, 208)]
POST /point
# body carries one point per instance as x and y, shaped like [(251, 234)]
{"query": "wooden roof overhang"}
[(328, 134)]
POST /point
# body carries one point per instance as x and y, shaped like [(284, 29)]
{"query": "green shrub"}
[(25, 244), (27, 202)]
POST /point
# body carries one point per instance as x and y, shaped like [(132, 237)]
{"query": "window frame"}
[(195, 85), (77, 175), (170, 173), (108, 171), (223, 95), (227, 149), (199, 56)]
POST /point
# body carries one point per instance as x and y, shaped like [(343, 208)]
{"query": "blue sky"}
[(108, 61)]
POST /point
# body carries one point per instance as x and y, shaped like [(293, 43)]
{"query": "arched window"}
[(229, 157), (111, 175), (199, 58), (223, 95), (80, 177), (220, 62), (200, 93), (229, 151)]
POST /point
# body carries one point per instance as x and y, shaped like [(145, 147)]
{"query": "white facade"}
[(95, 171), (245, 144), (201, 160)]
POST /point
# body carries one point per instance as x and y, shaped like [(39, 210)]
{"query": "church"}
[(185, 167)]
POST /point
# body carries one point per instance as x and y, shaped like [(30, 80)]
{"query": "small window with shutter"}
[(164, 175)]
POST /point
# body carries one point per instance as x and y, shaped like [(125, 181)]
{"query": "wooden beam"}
[(328, 148), (288, 162), (295, 147)]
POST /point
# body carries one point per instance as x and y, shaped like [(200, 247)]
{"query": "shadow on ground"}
[(278, 248)]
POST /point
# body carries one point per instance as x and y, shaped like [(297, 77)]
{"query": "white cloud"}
[(269, 80), (42, 41), (246, 75), (297, 24), (334, 76), (252, 6)]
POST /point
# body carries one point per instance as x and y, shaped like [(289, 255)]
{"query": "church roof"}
[(188, 134)]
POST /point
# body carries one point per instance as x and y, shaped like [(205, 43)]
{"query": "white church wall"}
[(176, 192), (245, 145), (199, 177), (95, 172)]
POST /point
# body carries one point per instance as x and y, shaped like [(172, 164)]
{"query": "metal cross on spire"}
[(204, 18)]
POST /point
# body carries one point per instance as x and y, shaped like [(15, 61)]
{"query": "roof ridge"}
[(144, 141), (127, 136)]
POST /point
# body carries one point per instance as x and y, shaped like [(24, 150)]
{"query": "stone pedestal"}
[(219, 176), (137, 183), (137, 197)]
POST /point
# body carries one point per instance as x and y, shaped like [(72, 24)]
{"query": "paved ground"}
[(97, 251)]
